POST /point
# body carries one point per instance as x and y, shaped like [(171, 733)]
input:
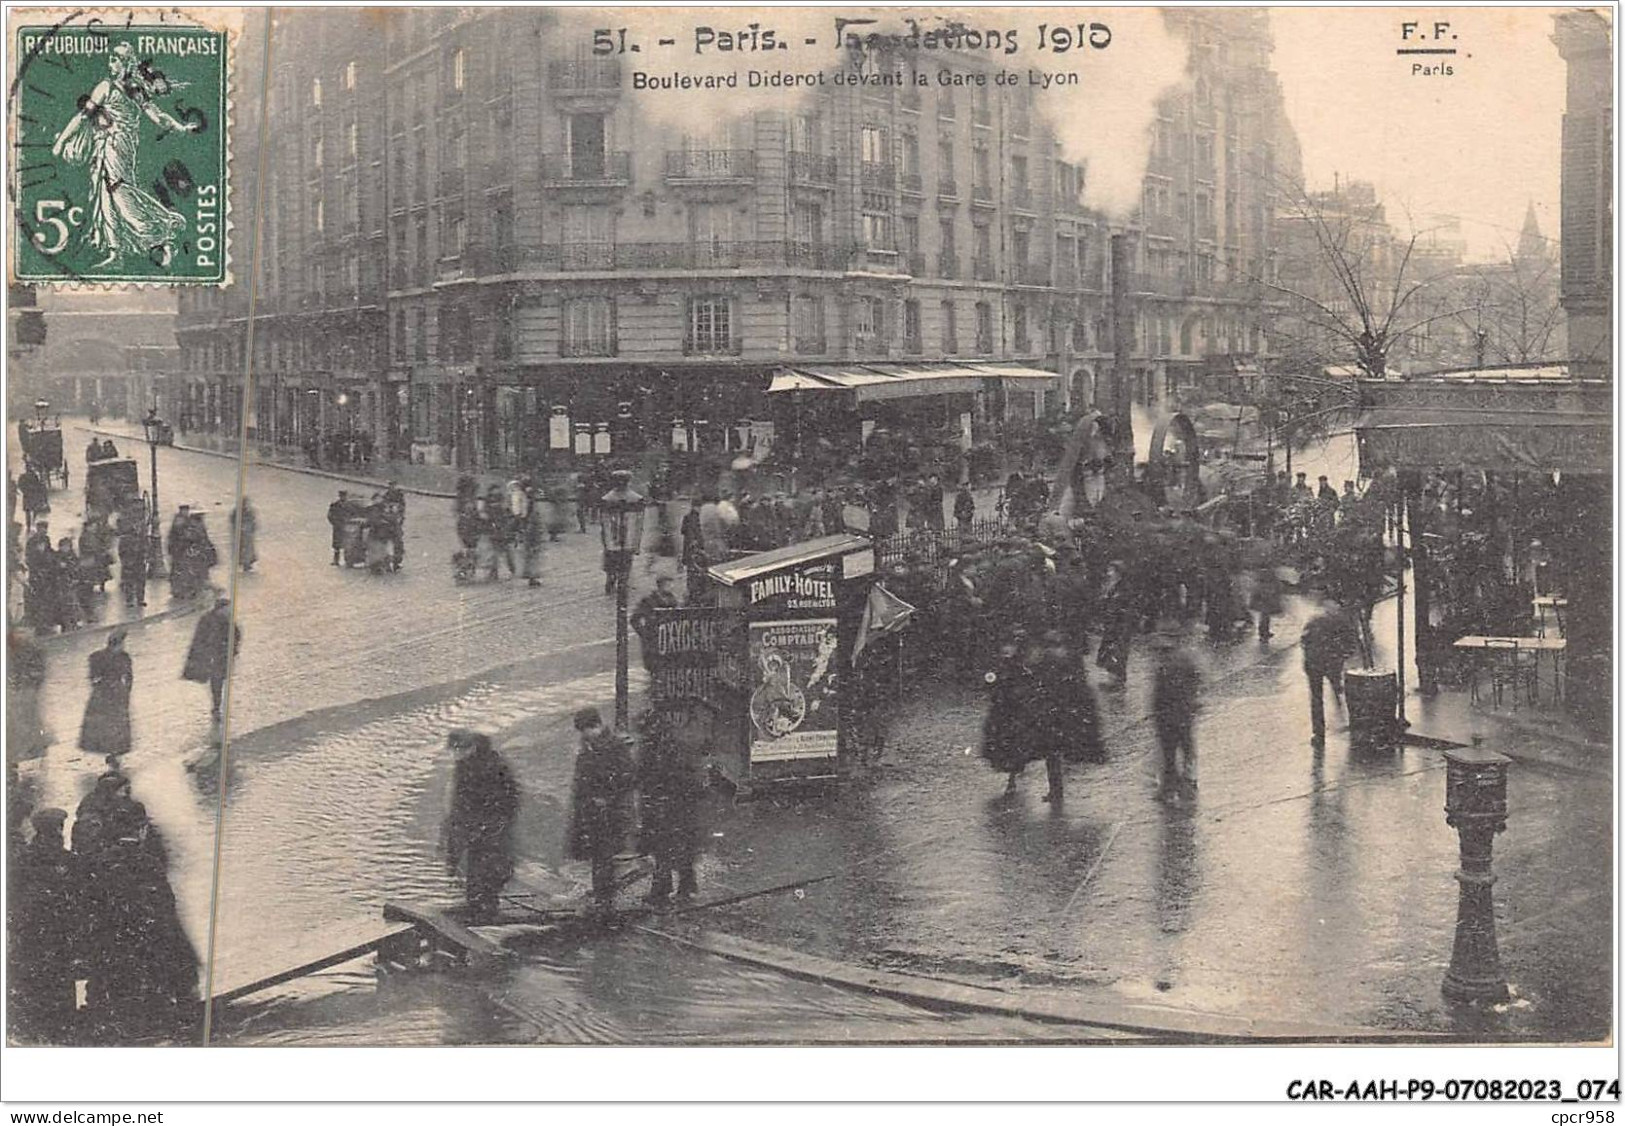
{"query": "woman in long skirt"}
[(106, 727)]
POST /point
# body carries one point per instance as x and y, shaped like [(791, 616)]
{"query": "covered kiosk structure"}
[(842, 404), (794, 615), (1504, 478)]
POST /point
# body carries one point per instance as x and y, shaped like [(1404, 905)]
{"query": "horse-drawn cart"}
[(42, 449)]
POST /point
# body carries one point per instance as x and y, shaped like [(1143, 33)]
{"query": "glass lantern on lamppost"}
[(621, 526)]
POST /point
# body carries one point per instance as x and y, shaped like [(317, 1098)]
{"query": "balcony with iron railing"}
[(810, 168), (589, 346), (699, 255), (587, 170), (1021, 197), (982, 269), (710, 166), (584, 76), (947, 188), (712, 344), (982, 194), (947, 264), (912, 184), (879, 174)]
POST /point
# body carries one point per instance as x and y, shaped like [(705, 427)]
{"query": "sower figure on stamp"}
[(123, 220)]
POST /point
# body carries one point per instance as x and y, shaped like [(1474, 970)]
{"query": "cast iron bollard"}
[(1475, 806)]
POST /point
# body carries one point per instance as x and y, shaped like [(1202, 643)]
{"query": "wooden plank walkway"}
[(446, 932), (325, 949)]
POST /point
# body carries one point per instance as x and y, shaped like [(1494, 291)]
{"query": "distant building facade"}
[(478, 249)]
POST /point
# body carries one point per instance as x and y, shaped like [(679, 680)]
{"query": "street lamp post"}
[(152, 425), (621, 525), (1476, 807)]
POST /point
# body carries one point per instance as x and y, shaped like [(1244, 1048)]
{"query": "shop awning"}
[(1458, 422), (871, 382)]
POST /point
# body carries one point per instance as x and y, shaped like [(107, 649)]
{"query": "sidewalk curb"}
[(132, 623), (309, 471), (1157, 1022)]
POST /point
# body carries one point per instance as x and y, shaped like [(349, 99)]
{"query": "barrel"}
[(1373, 699)]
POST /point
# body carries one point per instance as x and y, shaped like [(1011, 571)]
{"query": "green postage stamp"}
[(119, 152)]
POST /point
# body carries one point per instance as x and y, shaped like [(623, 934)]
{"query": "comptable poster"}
[(794, 711)]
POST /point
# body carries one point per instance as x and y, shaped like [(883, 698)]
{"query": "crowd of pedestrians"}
[(98, 952)]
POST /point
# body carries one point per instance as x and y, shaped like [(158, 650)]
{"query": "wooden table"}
[(1536, 645), (1553, 602)]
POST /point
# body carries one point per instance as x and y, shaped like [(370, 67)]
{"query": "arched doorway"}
[(1176, 461), (1083, 389)]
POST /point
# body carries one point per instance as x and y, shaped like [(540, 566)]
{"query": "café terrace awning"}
[(1535, 424), (872, 382)]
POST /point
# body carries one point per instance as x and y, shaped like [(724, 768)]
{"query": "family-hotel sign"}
[(806, 588)]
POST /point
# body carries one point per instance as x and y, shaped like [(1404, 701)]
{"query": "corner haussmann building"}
[(478, 249)]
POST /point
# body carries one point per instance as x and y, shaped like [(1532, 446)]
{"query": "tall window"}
[(807, 223), (588, 327), (809, 324), (874, 146), (1022, 343), (877, 233), (984, 327), (984, 247), (710, 325), (950, 328), (981, 165), (451, 233), (588, 237), (868, 322), (1020, 248), (945, 234), (459, 65), (321, 216), (911, 152), (316, 92), (804, 133), (588, 144), (945, 158), (420, 337), (349, 75), (352, 140), (316, 148), (909, 235), (911, 325), (421, 236)]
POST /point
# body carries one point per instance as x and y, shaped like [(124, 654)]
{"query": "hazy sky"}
[(1480, 143)]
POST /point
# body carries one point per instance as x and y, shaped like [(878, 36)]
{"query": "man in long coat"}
[(1327, 639), (599, 800), (671, 784), (214, 641), (132, 563), (479, 829), (47, 919)]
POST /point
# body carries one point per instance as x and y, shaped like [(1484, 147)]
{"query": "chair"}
[(1512, 667)]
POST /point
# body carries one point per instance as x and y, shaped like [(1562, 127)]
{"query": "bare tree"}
[(1511, 307), (1353, 292)]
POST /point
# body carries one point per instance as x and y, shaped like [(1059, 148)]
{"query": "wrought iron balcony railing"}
[(810, 168), (584, 76), (712, 344), (599, 169), (710, 165), (911, 183)]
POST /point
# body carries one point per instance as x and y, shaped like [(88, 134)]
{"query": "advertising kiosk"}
[(788, 621)]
